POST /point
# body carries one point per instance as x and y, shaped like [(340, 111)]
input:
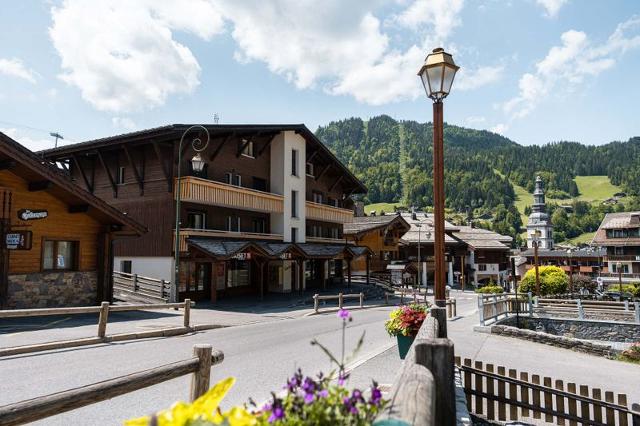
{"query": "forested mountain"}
[(394, 159)]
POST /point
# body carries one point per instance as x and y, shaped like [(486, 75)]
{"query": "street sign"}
[(18, 240), (27, 214)]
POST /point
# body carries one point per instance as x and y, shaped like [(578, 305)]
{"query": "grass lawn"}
[(378, 207), (595, 188), (581, 239)]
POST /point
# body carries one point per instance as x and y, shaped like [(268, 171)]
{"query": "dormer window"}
[(247, 151)]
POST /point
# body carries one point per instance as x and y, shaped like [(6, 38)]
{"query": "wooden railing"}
[(49, 405), (520, 396), (203, 191), (340, 298), (325, 213), (423, 393), (614, 257), (588, 309), (189, 232), (493, 306), (326, 240), (140, 289), (101, 337)]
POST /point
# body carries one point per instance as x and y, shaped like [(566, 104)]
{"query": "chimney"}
[(358, 208)]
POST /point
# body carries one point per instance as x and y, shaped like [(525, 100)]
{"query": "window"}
[(125, 266), (259, 184), (294, 162), (196, 220), (59, 255), (120, 179), (294, 203), (309, 169), (233, 223), (482, 266), (317, 197), (294, 235), (335, 233), (619, 250), (233, 179), (332, 202), (624, 269), (247, 151), (259, 225)]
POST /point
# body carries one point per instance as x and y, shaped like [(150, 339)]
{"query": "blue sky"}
[(534, 70)]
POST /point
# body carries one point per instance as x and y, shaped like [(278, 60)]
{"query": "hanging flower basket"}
[(404, 323)]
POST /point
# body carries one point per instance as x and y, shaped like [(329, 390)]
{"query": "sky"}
[(536, 71)]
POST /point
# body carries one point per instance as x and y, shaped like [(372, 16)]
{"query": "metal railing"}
[(493, 306)]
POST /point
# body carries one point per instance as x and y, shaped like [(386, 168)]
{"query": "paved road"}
[(261, 356)]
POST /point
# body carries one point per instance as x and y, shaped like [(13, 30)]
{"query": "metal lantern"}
[(197, 163), (437, 74)]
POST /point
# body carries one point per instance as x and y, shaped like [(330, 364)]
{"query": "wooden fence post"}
[(494, 307), (440, 314), (449, 309), (455, 307), (362, 300), (200, 378), (530, 304), (340, 300), (437, 356), (135, 282), (102, 320), (626, 305), (315, 302), (187, 312), (481, 309)]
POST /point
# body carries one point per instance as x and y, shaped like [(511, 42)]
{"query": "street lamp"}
[(437, 74), (197, 164), (536, 242), (619, 268)]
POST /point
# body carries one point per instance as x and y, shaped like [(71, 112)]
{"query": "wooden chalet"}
[(265, 214), (56, 237)]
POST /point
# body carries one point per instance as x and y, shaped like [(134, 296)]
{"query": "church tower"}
[(539, 221)]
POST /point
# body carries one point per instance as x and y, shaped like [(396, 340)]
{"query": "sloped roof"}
[(483, 238), (417, 233), (623, 220), (593, 253), (364, 224), (32, 168)]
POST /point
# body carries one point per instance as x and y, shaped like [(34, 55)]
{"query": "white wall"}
[(153, 267), (282, 182)]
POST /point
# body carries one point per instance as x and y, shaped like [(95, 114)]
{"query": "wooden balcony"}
[(623, 257), (214, 233), (325, 213), (203, 191)]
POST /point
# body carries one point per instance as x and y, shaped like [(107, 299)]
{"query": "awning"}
[(223, 249)]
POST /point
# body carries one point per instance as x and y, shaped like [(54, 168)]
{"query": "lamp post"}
[(437, 74), (619, 268), (419, 226), (536, 243), (197, 163), (570, 252)]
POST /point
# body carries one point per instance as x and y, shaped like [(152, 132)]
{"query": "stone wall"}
[(608, 331), (52, 289)]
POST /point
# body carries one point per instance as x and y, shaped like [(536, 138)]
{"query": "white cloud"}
[(122, 55), (441, 17), (569, 64), (14, 67), (552, 7), (34, 144), (474, 120), (482, 76), (500, 128), (123, 123)]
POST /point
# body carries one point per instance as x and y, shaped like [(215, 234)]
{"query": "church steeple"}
[(539, 205), (539, 221)]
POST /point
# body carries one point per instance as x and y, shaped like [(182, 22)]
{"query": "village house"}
[(619, 235), (262, 206), (57, 238)]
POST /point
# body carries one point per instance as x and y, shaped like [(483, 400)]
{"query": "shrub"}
[(634, 288), (632, 354), (490, 289), (583, 282), (553, 280)]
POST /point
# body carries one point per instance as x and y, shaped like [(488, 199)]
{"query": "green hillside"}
[(595, 188), (380, 207)]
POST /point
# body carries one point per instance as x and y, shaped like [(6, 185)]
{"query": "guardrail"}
[(423, 393), (103, 311), (45, 406), (491, 307), (525, 396), (317, 298), (137, 288), (589, 309)]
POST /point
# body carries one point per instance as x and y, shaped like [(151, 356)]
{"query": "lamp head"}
[(437, 74)]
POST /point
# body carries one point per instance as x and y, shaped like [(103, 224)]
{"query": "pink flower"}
[(344, 314)]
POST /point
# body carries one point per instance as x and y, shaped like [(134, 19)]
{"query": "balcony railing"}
[(325, 213), (326, 240), (203, 191), (627, 257), (215, 233)]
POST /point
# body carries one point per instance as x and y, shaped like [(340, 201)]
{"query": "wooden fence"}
[(519, 395), (136, 288), (340, 297), (493, 306), (588, 309), (49, 405), (423, 392), (101, 335)]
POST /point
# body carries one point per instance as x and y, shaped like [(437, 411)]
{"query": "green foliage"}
[(490, 289), (583, 282), (632, 354), (553, 280), (633, 289), (406, 320)]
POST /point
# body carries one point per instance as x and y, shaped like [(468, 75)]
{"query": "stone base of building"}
[(52, 290)]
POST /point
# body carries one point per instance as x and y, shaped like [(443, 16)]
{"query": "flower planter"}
[(404, 343)]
